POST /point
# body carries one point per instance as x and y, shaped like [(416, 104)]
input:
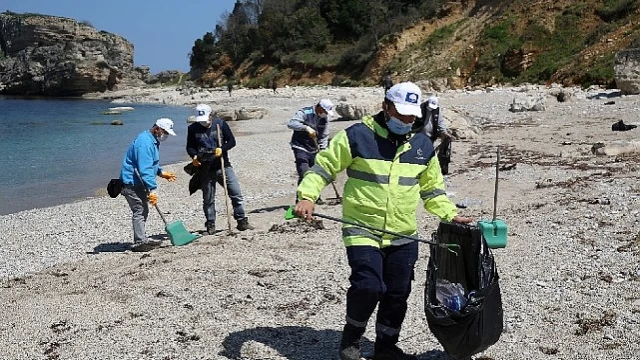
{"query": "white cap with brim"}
[(202, 112), (166, 124), (327, 105), (406, 97), (433, 102)]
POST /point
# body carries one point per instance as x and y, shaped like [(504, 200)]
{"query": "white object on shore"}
[(121, 108)]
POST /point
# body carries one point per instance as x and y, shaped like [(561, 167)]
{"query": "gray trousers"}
[(138, 202), (208, 186)]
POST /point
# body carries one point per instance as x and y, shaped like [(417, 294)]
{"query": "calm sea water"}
[(54, 151)]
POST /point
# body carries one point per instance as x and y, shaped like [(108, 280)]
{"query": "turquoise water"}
[(53, 151)]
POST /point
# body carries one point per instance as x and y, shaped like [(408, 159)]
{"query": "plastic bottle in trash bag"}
[(450, 295)]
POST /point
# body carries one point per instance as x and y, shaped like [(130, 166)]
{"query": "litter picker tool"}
[(177, 232), (495, 231), (291, 215), (224, 181), (333, 184)]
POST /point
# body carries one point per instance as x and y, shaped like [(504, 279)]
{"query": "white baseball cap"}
[(202, 112), (166, 124), (406, 97), (433, 102), (327, 105)]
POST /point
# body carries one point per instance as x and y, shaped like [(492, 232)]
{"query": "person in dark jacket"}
[(432, 121), (206, 152), (310, 127), (387, 83)]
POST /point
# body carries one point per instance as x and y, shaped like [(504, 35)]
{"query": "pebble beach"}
[(569, 275)]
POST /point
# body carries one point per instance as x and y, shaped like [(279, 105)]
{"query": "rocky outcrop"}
[(528, 103), (616, 148), (55, 56), (627, 71)]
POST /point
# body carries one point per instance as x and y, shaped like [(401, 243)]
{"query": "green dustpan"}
[(494, 231), (176, 230), (178, 233)]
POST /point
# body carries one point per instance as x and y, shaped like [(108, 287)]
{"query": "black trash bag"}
[(621, 126), (479, 323), (114, 187), (444, 155)]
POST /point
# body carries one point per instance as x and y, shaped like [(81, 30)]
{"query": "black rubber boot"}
[(211, 228), (391, 352), (350, 343), (244, 225)]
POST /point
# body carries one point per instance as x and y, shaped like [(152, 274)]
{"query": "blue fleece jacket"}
[(144, 155)]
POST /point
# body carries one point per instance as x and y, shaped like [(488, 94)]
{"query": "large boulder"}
[(228, 114), (616, 147), (50, 55), (460, 124), (355, 111), (626, 67), (251, 113), (528, 103)]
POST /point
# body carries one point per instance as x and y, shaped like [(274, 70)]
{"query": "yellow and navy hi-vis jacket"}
[(387, 176)]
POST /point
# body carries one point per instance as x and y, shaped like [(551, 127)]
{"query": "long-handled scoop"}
[(494, 231), (224, 182), (291, 215), (176, 230)]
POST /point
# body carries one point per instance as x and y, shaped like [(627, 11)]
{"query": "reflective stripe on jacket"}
[(386, 180)]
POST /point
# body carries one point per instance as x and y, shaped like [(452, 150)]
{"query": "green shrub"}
[(559, 47), (601, 72), (614, 10)]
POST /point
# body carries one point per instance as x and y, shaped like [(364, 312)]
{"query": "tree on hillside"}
[(287, 25), (202, 53)]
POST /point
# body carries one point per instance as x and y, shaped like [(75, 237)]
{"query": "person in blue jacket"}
[(143, 156)]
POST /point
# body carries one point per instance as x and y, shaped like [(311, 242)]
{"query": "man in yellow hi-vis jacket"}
[(389, 171)]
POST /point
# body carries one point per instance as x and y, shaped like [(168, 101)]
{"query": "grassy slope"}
[(482, 42)]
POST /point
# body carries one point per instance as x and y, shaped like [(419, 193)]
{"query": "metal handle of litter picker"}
[(290, 215), (149, 192), (224, 179), (495, 191)]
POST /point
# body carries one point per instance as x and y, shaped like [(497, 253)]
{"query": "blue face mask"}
[(396, 126)]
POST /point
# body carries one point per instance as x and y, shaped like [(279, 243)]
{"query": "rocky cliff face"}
[(55, 56), (627, 71)]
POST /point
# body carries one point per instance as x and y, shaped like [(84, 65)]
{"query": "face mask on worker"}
[(323, 115), (163, 137), (398, 127)]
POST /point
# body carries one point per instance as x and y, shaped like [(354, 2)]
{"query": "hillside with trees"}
[(457, 42)]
